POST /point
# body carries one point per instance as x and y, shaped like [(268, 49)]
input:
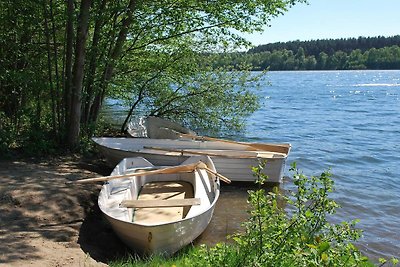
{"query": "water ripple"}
[(356, 135)]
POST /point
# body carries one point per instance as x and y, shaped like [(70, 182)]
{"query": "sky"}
[(332, 19)]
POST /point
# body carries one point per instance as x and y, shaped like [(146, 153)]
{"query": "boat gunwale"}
[(217, 194), (149, 151)]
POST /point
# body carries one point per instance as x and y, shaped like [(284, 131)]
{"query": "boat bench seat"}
[(152, 203)]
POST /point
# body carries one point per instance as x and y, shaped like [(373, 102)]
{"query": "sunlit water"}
[(348, 121)]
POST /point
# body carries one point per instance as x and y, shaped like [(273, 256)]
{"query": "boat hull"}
[(161, 240), (235, 167), (158, 237)]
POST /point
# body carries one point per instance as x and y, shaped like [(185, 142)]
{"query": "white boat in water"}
[(157, 128), (161, 212), (231, 159)]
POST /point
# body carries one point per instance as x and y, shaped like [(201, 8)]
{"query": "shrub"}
[(302, 236), (297, 233), (6, 133)]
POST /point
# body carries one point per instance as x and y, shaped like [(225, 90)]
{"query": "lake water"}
[(348, 121)]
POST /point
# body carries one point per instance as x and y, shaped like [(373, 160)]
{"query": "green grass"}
[(182, 258)]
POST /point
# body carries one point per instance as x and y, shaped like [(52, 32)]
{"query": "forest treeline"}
[(332, 54)]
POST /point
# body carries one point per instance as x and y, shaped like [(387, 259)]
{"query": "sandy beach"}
[(44, 222)]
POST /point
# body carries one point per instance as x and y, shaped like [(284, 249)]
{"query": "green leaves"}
[(160, 66), (323, 246), (302, 236), (200, 98), (164, 71)]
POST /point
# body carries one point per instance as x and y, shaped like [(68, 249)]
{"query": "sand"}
[(44, 222)]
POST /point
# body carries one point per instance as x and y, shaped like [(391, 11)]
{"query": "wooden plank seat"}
[(158, 192), (151, 203)]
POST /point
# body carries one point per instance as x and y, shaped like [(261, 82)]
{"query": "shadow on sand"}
[(39, 213)]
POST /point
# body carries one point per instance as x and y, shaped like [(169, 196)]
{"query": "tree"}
[(321, 61), (193, 33), (337, 61), (71, 55), (300, 58), (77, 75), (355, 60), (310, 63)]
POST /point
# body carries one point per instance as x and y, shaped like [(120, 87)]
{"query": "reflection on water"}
[(230, 212)]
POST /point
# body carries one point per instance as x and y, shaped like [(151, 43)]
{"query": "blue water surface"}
[(348, 121)]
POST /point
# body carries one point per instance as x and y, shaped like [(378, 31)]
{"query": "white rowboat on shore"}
[(159, 213), (231, 159)]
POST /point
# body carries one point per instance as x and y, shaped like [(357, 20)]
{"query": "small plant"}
[(299, 235)]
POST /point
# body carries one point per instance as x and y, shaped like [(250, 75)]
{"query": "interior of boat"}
[(163, 191), (159, 198)]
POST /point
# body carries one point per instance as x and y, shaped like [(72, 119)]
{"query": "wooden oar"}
[(280, 148), (168, 170), (221, 177), (205, 152), (202, 165)]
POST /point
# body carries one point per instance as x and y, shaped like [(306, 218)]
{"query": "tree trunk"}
[(77, 75), (90, 77), (68, 62), (57, 78), (49, 69), (109, 69)]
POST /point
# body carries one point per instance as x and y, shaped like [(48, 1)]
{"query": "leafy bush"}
[(28, 137), (6, 133), (300, 237)]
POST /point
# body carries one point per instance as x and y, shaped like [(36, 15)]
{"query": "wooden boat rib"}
[(233, 160), (159, 214)]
